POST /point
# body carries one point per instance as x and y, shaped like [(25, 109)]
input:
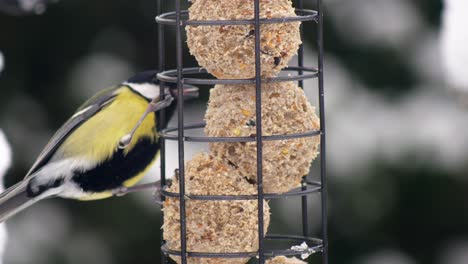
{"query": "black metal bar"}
[(300, 65), (180, 125), (162, 85), (162, 116), (166, 134), (161, 40), (258, 113), (323, 168), (300, 52), (315, 187), (302, 15), (170, 76), (305, 209), (314, 245)]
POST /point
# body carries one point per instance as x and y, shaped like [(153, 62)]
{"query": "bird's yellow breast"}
[(98, 137)]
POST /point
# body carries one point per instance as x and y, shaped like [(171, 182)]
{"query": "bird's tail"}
[(15, 199)]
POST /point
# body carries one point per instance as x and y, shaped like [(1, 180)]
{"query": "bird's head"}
[(147, 85)]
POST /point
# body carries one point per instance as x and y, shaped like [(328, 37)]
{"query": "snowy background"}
[(397, 121)]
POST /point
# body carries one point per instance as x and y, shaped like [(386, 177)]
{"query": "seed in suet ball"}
[(277, 60), (214, 226), (285, 110), (228, 51), (251, 123)]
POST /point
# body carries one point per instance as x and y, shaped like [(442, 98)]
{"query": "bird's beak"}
[(189, 92)]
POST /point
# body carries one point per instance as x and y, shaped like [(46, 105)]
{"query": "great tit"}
[(108, 144)]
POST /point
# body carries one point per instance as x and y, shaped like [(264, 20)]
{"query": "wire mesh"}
[(180, 75)]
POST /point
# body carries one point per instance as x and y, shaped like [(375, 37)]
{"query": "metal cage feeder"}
[(179, 19)]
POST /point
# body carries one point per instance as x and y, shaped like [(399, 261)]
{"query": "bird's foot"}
[(121, 191), (155, 106), (157, 196)]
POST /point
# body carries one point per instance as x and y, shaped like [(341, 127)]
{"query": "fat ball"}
[(214, 226), (285, 110), (228, 51)]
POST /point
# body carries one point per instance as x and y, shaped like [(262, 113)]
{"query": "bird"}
[(106, 145)]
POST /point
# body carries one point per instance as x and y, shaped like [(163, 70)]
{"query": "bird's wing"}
[(84, 112)]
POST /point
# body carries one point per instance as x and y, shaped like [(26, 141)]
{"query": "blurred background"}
[(396, 122)]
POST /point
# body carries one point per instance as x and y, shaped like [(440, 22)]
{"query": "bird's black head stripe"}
[(144, 77)]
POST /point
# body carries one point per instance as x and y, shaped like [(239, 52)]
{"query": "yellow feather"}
[(98, 137), (96, 196)]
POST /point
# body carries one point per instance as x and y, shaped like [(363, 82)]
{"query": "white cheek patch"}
[(62, 169), (148, 90)]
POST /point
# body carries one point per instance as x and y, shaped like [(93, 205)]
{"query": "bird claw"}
[(157, 195), (120, 191), (156, 106), (176, 174)]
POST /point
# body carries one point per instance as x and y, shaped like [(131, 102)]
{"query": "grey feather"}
[(88, 109), (15, 200)]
